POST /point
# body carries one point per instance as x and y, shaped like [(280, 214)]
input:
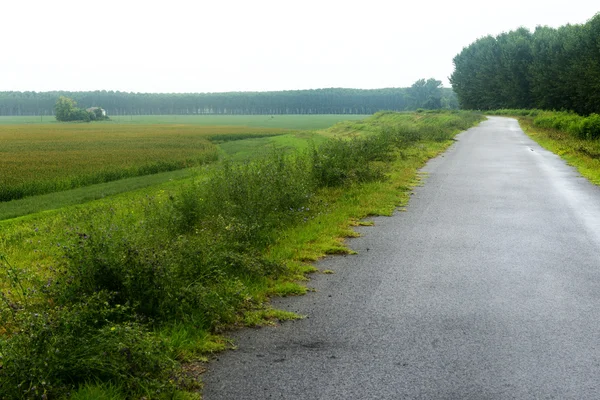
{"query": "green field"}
[(46, 158), (40, 158), (319, 121)]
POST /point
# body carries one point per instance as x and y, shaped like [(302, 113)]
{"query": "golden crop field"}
[(44, 158)]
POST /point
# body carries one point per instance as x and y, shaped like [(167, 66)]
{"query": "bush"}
[(65, 110), (562, 121), (246, 202), (341, 161), (590, 127), (59, 348)]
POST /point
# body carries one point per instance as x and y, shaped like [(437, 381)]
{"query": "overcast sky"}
[(216, 46)]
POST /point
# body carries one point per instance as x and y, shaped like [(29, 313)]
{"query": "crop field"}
[(302, 122), (45, 158)]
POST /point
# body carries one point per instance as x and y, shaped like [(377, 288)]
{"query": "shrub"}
[(57, 349), (341, 161), (246, 202), (590, 127), (562, 121)]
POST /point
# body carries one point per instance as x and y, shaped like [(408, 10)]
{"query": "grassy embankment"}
[(574, 138), (126, 294)]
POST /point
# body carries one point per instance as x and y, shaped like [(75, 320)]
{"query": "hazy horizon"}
[(197, 47), (216, 92)]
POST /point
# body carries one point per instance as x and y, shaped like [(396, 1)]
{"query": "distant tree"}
[(64, 109), (449, 99), (425, 94), (314, 101), (98, 114)]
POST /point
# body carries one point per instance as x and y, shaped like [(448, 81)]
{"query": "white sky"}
[(220, 45)]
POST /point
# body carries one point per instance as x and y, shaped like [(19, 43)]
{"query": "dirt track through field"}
[(487, 287)]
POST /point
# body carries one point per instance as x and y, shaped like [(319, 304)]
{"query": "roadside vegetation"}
[(123, 297), (573, 137)]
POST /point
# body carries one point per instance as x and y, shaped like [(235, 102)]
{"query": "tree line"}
[(549, 68), (426, 94)]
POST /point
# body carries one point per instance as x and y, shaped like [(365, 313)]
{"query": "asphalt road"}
[(487, 287)]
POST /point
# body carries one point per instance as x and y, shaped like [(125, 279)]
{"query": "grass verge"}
[(579, 153), (568, 135)]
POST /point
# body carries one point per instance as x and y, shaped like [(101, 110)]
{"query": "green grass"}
[(98, 391), (11, 120), (53, 201), (582, 154), (240, 150), (304, 122)]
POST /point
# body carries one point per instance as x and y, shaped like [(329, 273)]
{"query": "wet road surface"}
[(487, 287)]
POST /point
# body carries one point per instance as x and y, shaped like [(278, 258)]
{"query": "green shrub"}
[(246, 202), (59, 348), (590, 127), (587, 128), (339, 161), (562, 121)]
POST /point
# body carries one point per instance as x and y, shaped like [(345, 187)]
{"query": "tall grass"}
[(196, 257)]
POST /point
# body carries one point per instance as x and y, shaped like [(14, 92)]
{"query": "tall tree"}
[(425, 94), (64, 108), (549, 69)]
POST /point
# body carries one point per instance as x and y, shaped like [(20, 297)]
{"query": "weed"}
[(268, 317), (98, 391), (284, 289)]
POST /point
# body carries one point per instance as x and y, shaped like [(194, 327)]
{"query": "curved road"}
[(488, 287)]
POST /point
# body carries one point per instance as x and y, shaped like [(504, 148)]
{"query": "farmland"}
[(38, 158), (45, 158)]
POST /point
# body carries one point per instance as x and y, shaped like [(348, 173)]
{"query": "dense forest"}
[(552, 69), (426, 94)]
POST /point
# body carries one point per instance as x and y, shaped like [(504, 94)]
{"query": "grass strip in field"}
[(247, 149), (53, 201)]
